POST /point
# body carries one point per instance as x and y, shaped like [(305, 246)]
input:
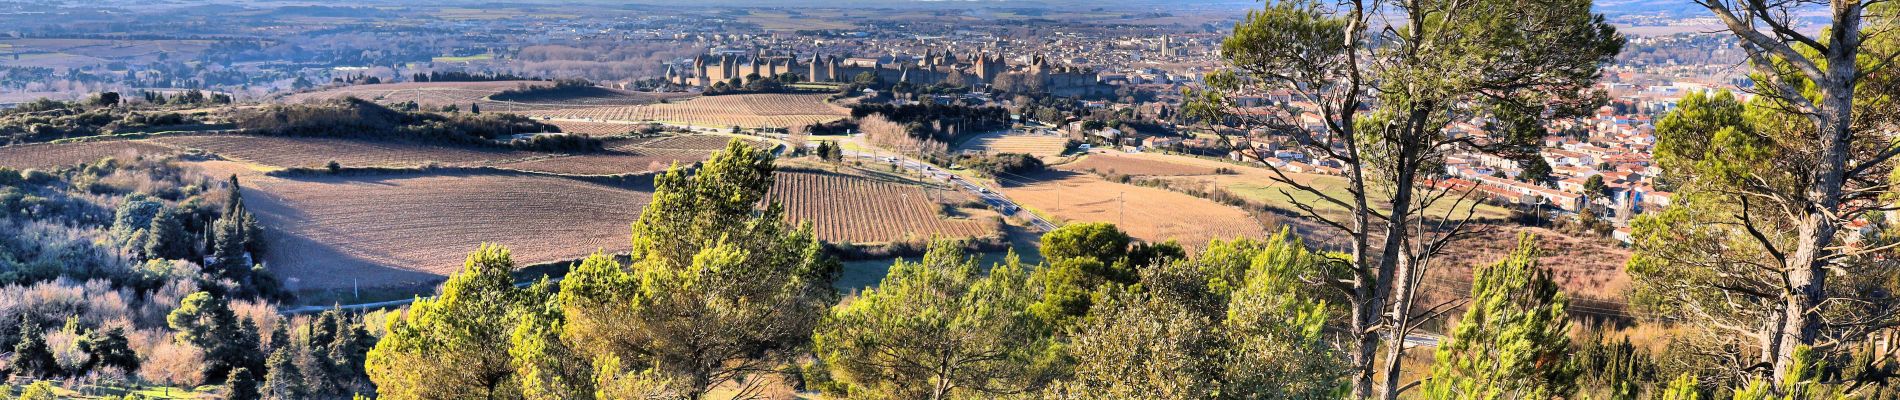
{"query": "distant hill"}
[(1674, 8)]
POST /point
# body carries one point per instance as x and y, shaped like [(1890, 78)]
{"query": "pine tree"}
[(281, 378), (1682, 388), (241, 384), (40, 390), (109, 348), (706, 259), (207, 322), (939, 329), (31, 356), (166, 237), (455, 345), (1512, 342)]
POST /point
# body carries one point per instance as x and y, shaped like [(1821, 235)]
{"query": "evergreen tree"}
[(1512, 342), (282, 379), (455, 345), (109, 348), (166, 237), (32, 358), (208, 323), (1683, 387), (719, 288), (241, 384), (1388, 79), (939, 329), (1239, 322), (39, 390)]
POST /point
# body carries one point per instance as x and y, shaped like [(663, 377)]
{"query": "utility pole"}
[(1121, 215)]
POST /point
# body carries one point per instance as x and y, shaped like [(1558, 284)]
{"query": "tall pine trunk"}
[(1807, 266)]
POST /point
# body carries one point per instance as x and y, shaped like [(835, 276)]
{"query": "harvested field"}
[(411, 229), (743, 110), (1035, 145), (462, 94), (1137, 164), (47, 156), (1252, 183), (844, 208), (1149, 214), (315, 152)]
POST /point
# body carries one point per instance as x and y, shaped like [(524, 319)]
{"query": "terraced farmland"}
[(46, 156), (744, 110), (853, 209), (1036, 145), (411, 229)]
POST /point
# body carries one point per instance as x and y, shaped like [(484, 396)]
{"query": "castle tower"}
[(831, 68)]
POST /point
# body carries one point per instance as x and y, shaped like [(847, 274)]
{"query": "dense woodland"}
[(139, 271)]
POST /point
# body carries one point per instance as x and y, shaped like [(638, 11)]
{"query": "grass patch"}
[(477, 57)]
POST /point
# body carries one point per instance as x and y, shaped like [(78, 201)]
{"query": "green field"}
[(477, 57), (1271, 193)]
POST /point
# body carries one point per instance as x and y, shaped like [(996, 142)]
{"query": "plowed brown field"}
[(411, 229)]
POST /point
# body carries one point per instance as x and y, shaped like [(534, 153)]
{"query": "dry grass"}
[(1140, 164), (743, 110), (855, 209), (1035, 145), (47, 156), (1589, 269), (412, 229), (1149, 214)]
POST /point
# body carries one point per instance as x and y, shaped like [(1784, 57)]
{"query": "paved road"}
[(995, 199)]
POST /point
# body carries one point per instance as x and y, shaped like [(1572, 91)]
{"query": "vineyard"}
[(744, 110), (858, 210), (46, 156), (411, 229), (623, 156), (628, 160), (1036, 145), (315, 152), (596, 128), (462, 94), (1146, 213)]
